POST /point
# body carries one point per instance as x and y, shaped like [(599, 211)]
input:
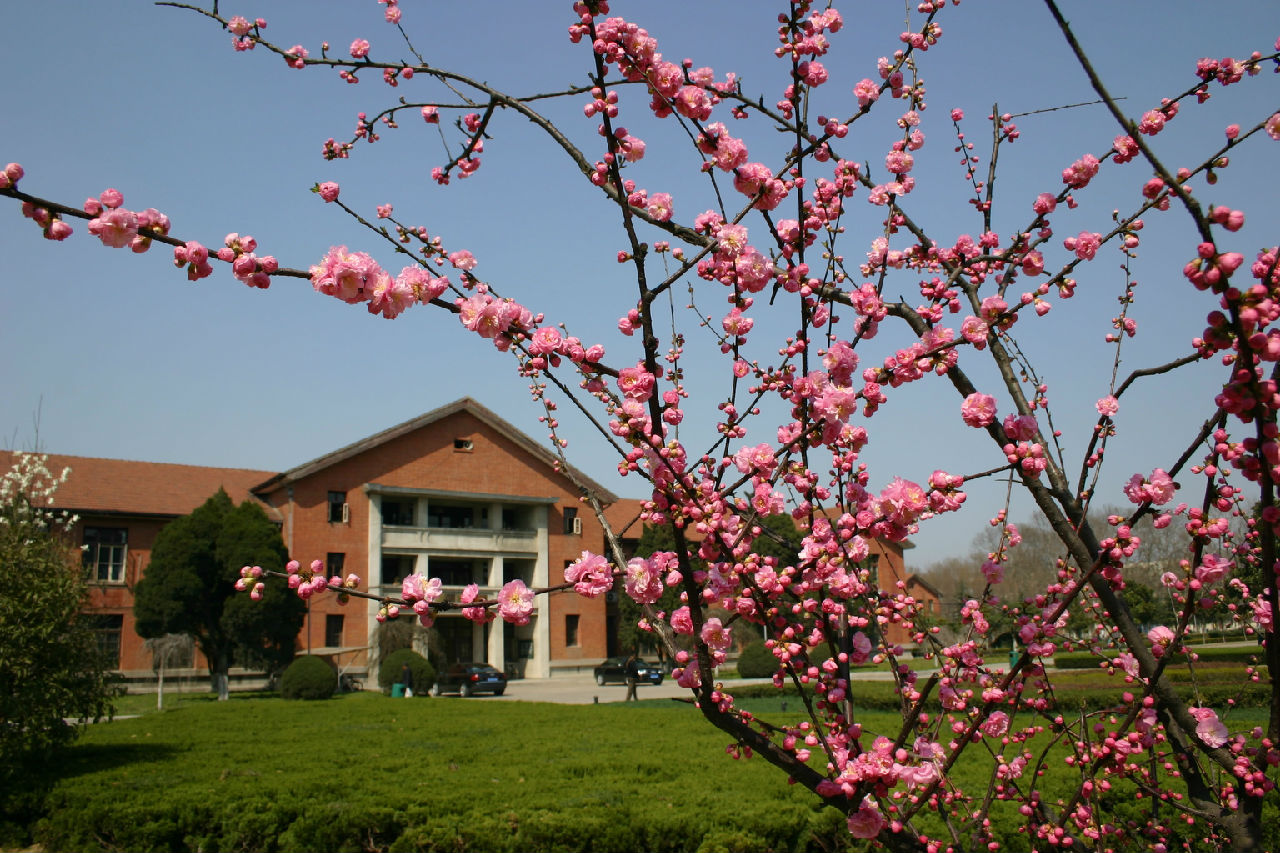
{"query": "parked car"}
[(615, 669), (466, 679)]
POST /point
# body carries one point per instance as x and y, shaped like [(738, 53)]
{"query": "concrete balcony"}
[(479, 539)]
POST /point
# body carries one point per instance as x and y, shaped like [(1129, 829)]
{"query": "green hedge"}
[(308, 677), (1204, 655), (424, 674)]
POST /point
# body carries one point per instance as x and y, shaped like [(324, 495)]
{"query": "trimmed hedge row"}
[(1090, 691), (1204, 655), (211, 824)]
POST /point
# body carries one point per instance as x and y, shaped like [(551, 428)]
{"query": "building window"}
[(455, 517), (108, 627), (333, 630), (334, 563), (104, 553), (571, 523), (571, 629), (398, 513), (338, 512), (463, 444)]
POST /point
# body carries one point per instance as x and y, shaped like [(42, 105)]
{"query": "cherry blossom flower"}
[(978, 410), (515, 602), (1209, 728), (590, 575)]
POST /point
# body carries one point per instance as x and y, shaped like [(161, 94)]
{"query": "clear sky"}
[(119, 356)]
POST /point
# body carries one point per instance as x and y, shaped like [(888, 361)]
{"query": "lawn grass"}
[(361, 772)]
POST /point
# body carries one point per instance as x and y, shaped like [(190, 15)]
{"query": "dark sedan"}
[(466, 679), (615, 670)]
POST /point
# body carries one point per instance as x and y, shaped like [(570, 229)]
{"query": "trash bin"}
[(397, 690)]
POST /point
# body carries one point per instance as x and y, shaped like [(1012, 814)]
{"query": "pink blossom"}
[(239, 25), (1161, 638), (481, 615), (1085, 244), (1081, 172), (418, 588), (10, 176), (424, 286), (1108, 406), (716, 635), (1020, 427), (866, 91), (515, 602), (1158, 489), (978, 410), (115, 227), (431, 115), (1044, 203), (384, 211), (1273, 127), (390, 297), (644, 581), (902, 501), (996, 724), (682, 621), (861, 648), (463, 260), (636, 383), (659, 207), (328, 191), (590, 575), (1209, 728), (359, 48), (346, 275), (1212, 568), (867, 821)]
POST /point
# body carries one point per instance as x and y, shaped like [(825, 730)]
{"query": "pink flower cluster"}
[(117, 227), (590, 575), (1159, 488), (355, 277), (419, 592)]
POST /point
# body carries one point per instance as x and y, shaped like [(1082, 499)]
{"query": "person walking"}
[(633, 676)]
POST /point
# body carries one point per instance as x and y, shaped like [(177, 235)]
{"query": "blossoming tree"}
[(800, 373)]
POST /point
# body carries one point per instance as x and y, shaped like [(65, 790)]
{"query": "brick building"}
[(457, 493)]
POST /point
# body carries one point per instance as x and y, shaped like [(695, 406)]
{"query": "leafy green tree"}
[(51, 667), (189, 588)]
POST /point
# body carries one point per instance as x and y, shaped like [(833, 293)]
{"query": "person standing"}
[(633, 676), (406, 678)]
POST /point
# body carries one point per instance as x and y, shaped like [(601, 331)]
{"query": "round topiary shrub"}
[(756, 661), (424, 674), (309, 677)]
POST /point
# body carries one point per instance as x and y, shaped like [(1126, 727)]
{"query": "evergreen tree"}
[(189, 588)]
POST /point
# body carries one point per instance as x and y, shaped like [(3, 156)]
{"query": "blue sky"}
[(121, 357)]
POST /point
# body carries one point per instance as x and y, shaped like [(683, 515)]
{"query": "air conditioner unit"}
[(346, 513), (577, 527)]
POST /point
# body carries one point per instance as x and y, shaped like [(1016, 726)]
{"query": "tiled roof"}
[(141, 488), (465, 404)]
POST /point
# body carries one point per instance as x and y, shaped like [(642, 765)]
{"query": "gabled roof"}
[(467, 405), (141, 488), (917, 579)]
